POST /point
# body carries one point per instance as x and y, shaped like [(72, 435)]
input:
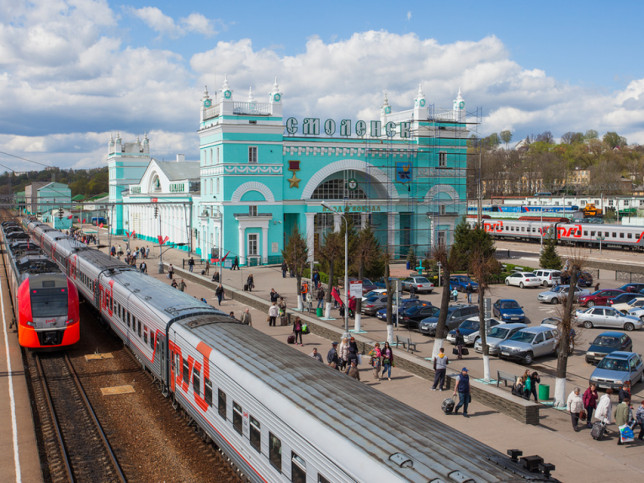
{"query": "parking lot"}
[(578, 370)]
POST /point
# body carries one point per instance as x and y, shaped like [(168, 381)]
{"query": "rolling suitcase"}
[(245, 287), (291, 339), (448, 405), (599, 428)]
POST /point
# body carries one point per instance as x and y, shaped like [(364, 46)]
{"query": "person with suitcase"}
[(273, 313), (297, 330), (463, 389), (459, 342), (590, 403), (448, 405), (602, 414)]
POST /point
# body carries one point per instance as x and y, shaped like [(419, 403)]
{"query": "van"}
[(548, 276)]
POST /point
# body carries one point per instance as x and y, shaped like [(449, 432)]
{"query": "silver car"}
[(617, 368), (417, 284), (600, 316), (557, 294), (497, 335), (528, 343)]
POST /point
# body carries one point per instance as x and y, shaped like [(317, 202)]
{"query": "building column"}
[(363, 220), (392, 221), (242, 245), (336, 222), (264, 244), (310, 236)]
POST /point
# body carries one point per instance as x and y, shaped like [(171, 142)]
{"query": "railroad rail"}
[(75, 445)]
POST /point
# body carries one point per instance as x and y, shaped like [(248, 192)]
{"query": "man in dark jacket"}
[(463, 389), (332, 356), (320, 296)]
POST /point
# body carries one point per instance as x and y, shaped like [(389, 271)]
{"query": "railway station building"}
[(262, 174)]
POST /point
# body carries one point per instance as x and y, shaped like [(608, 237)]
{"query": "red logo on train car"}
[(494, 226)]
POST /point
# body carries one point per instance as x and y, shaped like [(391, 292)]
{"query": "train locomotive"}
[(591, 235), (45, 302), (278, 414)]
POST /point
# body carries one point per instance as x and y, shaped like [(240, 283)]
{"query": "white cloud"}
[(197, 23), (408, 15), (165, 26)]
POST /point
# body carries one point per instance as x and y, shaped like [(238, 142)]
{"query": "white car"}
[(548, 277), (636, 303), (523, 279), (600, 316)]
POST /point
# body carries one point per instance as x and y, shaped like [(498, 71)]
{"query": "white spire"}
[(420, 94), (250, 94), (276, 88), (225, 86)]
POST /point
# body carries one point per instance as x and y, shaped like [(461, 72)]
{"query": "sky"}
[(75, 72)]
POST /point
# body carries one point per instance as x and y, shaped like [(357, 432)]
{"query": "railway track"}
[(74, 444)]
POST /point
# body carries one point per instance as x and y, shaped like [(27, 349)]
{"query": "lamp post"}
[(346, 267)]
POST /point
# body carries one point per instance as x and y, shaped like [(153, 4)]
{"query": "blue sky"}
[(72, 72)]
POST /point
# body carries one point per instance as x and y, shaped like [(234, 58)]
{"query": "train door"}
[(160, 350)]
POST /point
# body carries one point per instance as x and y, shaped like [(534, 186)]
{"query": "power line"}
[(25, 159)]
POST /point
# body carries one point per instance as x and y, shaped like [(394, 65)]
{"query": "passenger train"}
[(278, 414), (45, 302), (578, 234)]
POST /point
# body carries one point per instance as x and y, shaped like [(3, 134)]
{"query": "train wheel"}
[(175, 404)]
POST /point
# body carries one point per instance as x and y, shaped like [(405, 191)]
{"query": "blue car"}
[(508, 310), (404, 304), (460, 283)]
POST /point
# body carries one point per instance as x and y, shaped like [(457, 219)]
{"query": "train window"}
[(196, 381), (322, 479), (592, 233), (275, 451), (186, 371), (145, 334), (47, 302), (238, 418), (255, 434), (614, 235), (221, 403), (621, 235), (128, 318), (139, 327), (207, 392), (298, 469), (152, 339), (585, 232), (630, 235)]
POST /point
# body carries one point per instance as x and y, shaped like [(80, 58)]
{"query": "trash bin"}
[(319, 312), (544, 392)]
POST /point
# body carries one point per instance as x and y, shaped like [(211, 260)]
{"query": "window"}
[(255, 435), (217, 155), (128, 319), (139, 327), (207, 393), (145, 334), (442, 238), (442, 210), (238, 418), (298, 469), (275, 451), (253, 243), (252, 210), (442, 159), (322, 479), (186, 371), (196, 381), (221, 403), (151, 339), (252, 154)]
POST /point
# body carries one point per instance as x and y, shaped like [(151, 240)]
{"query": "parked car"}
[(632, 287), (617, 368), (497, 335), (508, 310), (636, 303), (404, 304), (523, 279), (412, 316), (557, 294), (601, 316), (548, 277), (460, 283), (585, 279), (380, 283), (471, 329), (455, 315), (529, 343), (608, 342), (552, 322), (417, 284), (367, 285), (623, 298), (374, 304), (600, 297)]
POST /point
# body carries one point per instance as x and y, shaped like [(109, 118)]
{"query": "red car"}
[(600, 297)]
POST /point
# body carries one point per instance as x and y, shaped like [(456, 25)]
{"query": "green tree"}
[(483, 264), (446, 257), (365, 253), (331, 255), (549, 257), (296, 253), (506, 137), (411, 258), (614, 140)]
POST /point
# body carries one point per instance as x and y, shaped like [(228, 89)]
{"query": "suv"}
[(529, 343), (455, 315), (548, 276)]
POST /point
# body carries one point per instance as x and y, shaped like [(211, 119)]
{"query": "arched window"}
[(337, 189)]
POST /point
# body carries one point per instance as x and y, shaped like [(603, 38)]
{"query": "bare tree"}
[(390, 298), (296, 253), (331, 253), (365, 252), (483, 265), (441, 254)]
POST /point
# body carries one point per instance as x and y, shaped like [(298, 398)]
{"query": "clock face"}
[(277, 97), (461, 104), (422, 102), (388, 110), (207, 103), (227, 94)]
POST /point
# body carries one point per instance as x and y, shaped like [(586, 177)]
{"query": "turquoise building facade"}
[(261, 174)]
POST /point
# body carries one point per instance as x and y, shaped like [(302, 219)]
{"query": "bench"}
[(406, 343), (505, 377)]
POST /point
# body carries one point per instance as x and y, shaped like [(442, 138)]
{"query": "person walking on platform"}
[(274, 295), (575, 406), (316, 355), (191, 265), (332, 358), (246, 318), (387, 360), (297, 330), (250, 281), (170, 271), (219, 292), (463, 389), (273, 313), (376, 360), (353, 371), (320, 296), (284, 269), (143, 267), (182, 285), (590, 403), (235, 263), (440, 368), (206, 270), (282, 311), (343, 353), (459, 342)]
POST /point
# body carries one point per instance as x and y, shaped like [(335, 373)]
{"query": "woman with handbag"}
[(376, 360), (297, 330), (590, 403), (387, 360)]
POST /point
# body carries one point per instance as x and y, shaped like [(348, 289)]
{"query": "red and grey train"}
[(589, 235), (45, 301), (279, 415)]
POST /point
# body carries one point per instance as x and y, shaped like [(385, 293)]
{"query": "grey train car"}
[(278, 414), (590, 235)]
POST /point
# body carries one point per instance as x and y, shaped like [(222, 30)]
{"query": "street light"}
[(346, 267)]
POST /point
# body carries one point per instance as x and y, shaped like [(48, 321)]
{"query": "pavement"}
[(576, 455)]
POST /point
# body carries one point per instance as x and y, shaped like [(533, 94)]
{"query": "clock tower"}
[(459, 108)]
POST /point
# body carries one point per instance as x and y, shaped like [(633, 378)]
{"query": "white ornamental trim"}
[(252, 186), (441, 188)]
